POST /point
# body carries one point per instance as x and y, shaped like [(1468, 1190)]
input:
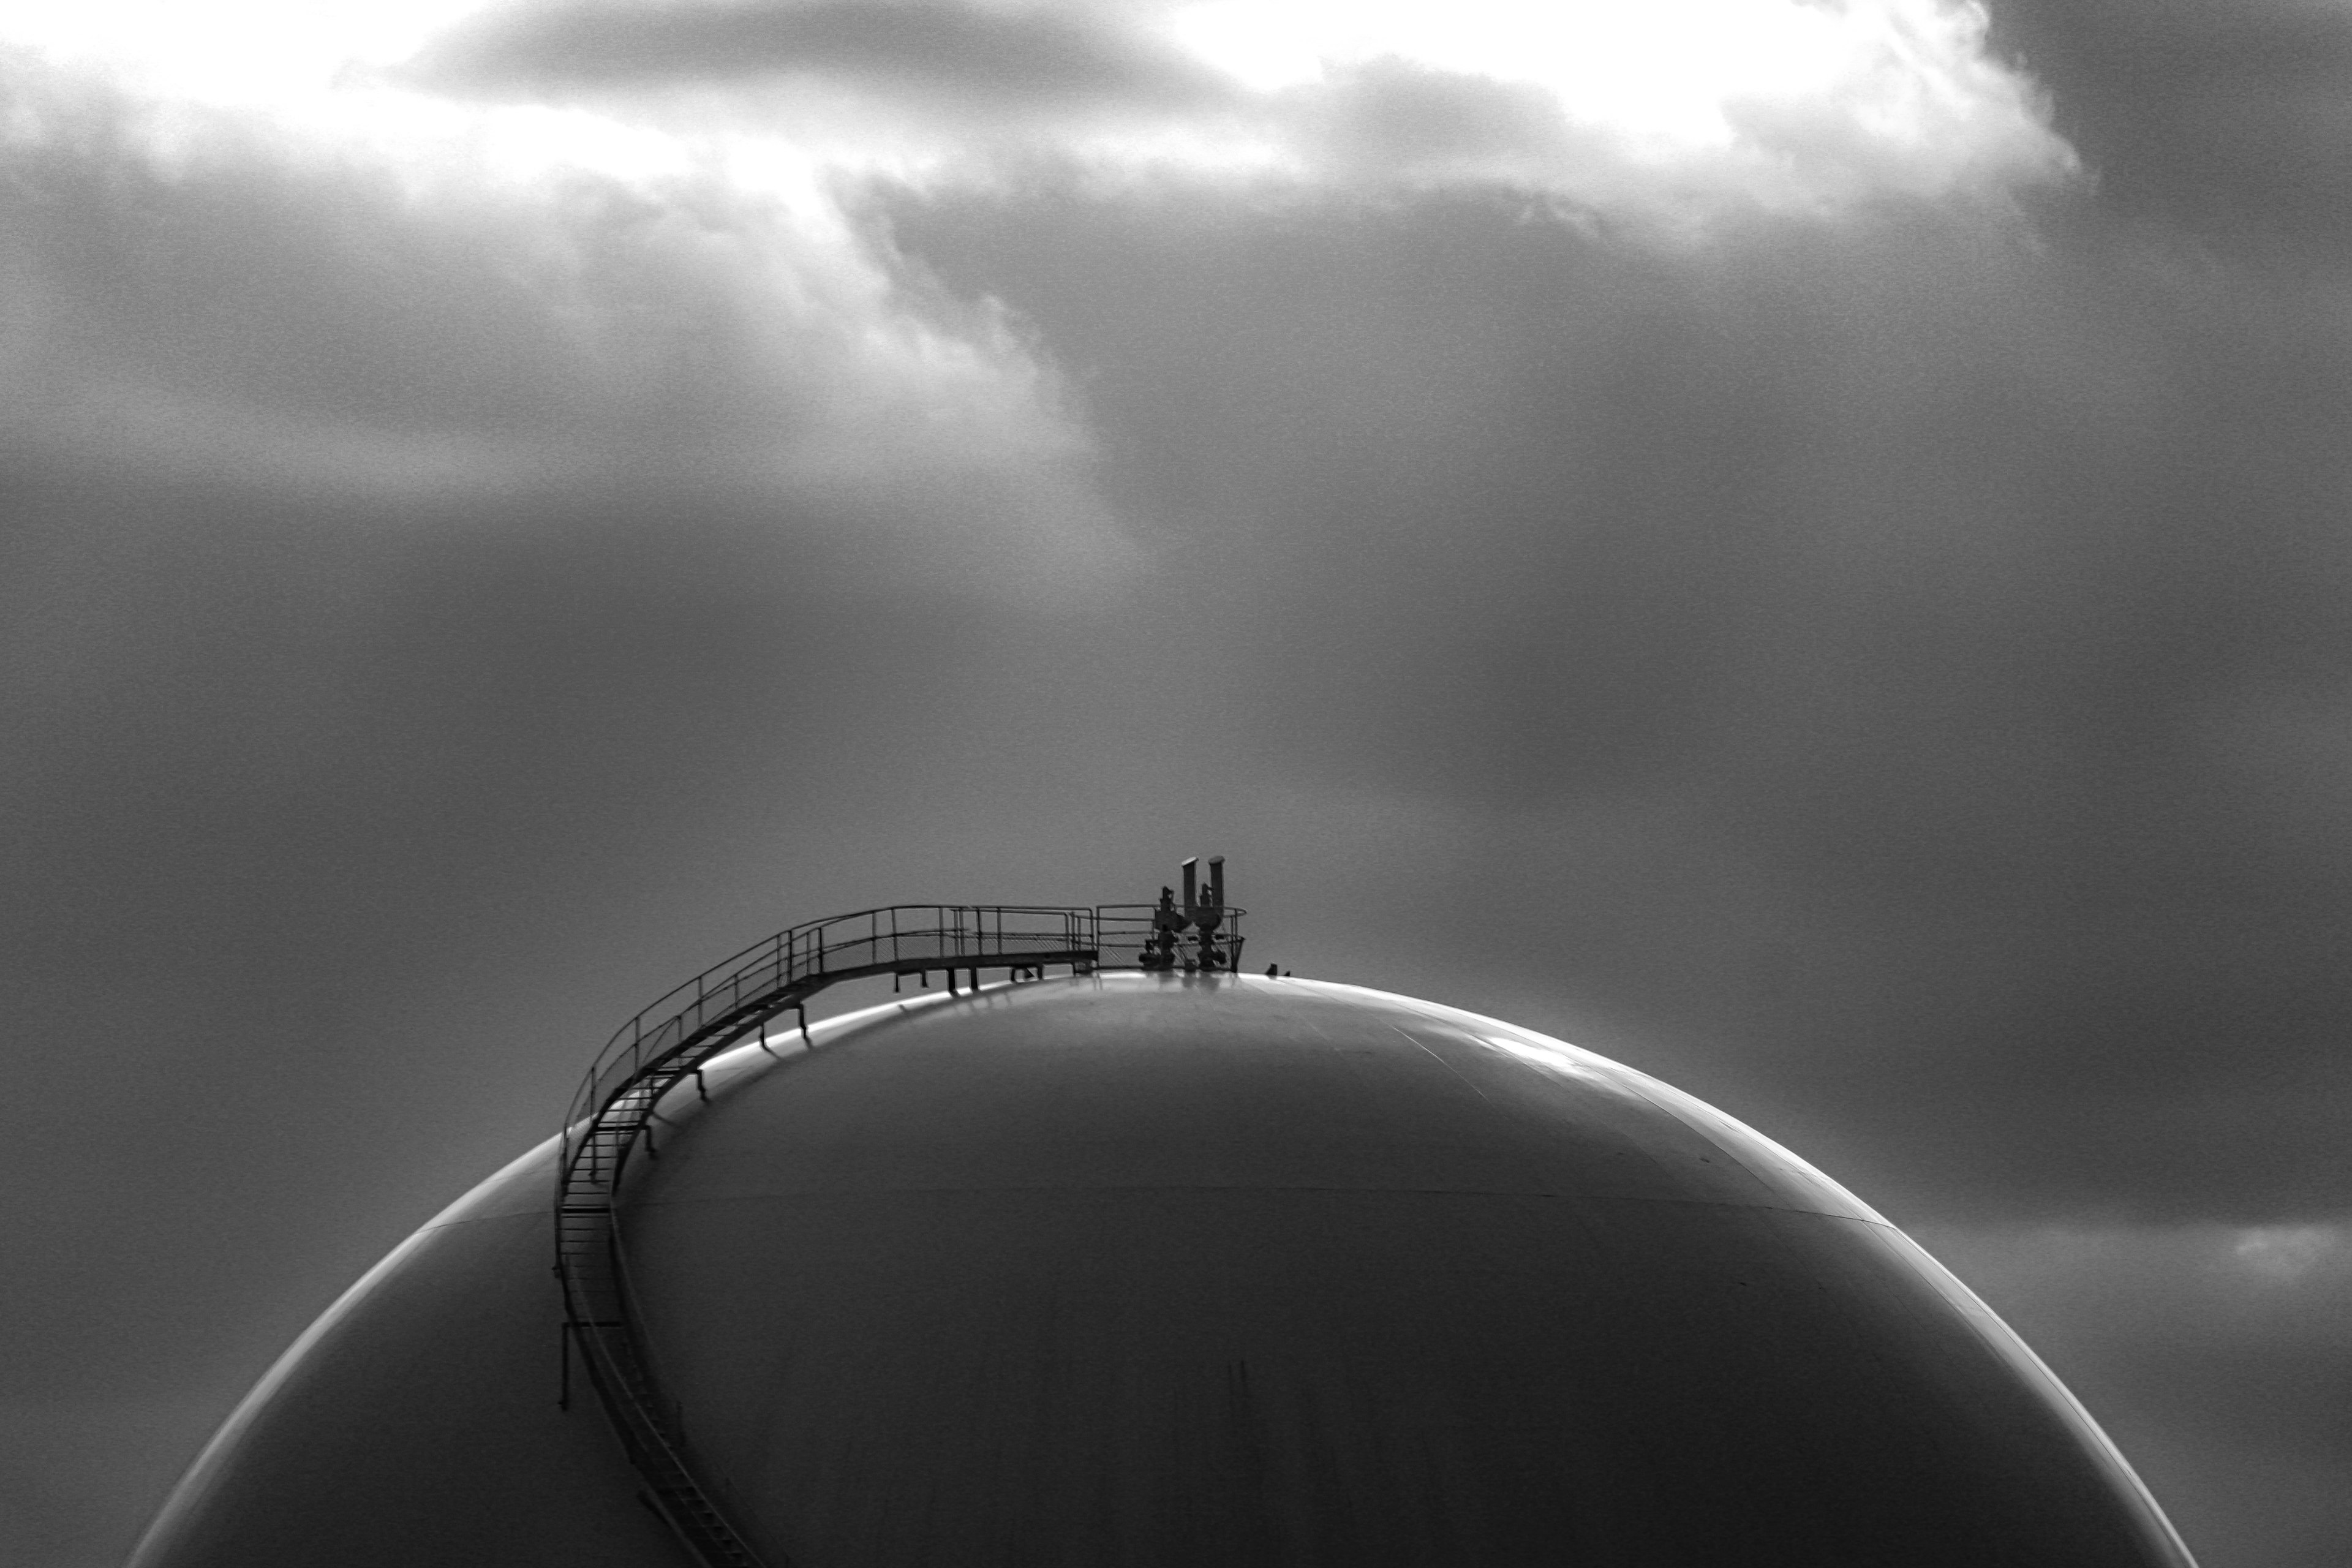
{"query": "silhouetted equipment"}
[(1153, 1264)]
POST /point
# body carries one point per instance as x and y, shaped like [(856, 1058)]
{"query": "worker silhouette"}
[(1160, 951), (1206, 919)]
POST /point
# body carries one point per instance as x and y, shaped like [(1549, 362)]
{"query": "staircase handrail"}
[(617, 1102)]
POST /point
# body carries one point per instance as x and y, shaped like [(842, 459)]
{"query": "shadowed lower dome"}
[(1160, 1270)]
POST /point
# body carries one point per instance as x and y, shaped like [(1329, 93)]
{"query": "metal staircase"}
[(614, 1108)]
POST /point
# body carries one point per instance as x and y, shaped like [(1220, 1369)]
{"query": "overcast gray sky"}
[(1802, 546)]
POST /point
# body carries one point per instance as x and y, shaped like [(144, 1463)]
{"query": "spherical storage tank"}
[(1163, 1269)]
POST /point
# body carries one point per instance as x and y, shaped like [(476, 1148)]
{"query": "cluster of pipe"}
[(1164, 948)]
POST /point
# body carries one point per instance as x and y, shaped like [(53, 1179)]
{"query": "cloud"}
[(2225, 118), (1031, 58), (1838, 107), (209, 296), (1670, 119)]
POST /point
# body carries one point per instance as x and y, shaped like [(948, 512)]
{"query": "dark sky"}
[(1805, 548)]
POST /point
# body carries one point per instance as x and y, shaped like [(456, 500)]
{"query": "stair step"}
[(588, 1263)]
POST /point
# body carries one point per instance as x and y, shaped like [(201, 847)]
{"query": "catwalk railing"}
[(734, 997), (614, 1111)]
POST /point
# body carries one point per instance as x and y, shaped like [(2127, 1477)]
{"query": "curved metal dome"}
[(1148, 1268)]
